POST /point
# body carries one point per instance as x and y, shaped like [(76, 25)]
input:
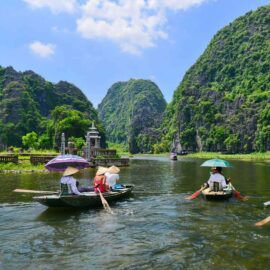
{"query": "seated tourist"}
[(69, 183), (112, 177), (217, 181)]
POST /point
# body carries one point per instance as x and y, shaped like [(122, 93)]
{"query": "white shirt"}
[(217, 177), (69, 180), (111, 178)]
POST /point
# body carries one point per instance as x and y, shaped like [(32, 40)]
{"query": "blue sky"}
[(95, 43)]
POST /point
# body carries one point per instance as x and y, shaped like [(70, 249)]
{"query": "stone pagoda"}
[(92, 141)]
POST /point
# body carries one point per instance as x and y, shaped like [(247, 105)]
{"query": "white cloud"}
[(174, 4), (129, 23), (133, 24), (56, 6), (41, 49)]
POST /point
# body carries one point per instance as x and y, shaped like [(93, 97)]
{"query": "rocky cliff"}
[(26, 101), (131, 112), (223, 102)]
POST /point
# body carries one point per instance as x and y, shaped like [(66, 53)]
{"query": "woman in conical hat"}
[(112, 176), (100, 182), (70, 171), (113, 169), (69, 183)]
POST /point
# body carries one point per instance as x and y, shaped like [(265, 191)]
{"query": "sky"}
[(95, 43)]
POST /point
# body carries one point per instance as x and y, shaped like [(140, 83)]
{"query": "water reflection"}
[(156, 228)]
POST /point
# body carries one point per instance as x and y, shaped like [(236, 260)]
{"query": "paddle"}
[(266, 203), (34, 191), (104, 202), (263, 222), (195, 194), (238, 195)]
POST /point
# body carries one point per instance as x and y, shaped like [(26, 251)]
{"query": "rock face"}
[(131, 112), (223, 102), (26, 100)]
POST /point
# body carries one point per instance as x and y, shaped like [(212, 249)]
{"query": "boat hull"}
[(216, 196), (88, 200)]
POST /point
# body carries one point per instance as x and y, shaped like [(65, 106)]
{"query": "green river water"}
[(154, 229)]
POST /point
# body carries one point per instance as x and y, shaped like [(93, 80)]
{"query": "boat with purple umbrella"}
[(86, 200)]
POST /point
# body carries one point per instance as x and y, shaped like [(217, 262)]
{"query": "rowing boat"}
[(212, 195), (87, 200)]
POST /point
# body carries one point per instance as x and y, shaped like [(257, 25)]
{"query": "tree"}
[(30, 140), (69, 121)]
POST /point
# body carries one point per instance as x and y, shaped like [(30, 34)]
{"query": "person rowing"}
[(100, 181)]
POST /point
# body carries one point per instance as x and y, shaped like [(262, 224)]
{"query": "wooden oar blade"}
[(262, 222), (240, 197), (34, 191), (194, 195), (105, 203)]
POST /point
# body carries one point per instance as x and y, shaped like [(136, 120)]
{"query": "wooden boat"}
[(87, 200), (209, 194)]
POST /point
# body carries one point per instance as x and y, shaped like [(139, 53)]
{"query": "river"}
[(154, 229)]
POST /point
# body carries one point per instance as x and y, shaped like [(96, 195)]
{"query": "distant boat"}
[(173, 156), (182, 153)]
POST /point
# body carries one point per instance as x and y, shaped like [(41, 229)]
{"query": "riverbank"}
[(249, 157), (210, 155), (24, 165)]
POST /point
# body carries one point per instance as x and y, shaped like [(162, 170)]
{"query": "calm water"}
[(155, 229)]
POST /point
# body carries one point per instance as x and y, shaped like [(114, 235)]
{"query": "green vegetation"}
[(23, 165), (121, 149), (222, 104), (256, 156), (132, 112), (34, 112)]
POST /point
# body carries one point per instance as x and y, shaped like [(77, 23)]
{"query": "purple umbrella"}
[(60, 163)]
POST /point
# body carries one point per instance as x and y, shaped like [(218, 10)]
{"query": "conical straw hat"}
[(113, 169), (70, 170), (101, 170)]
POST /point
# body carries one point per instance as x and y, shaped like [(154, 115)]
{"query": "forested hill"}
[(30, 103), (223, 102), (131, 112)]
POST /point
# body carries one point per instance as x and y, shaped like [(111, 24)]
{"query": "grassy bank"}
[(253, 156), (24, 163)]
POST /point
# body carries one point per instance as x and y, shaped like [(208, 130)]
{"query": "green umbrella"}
[(216, 163)]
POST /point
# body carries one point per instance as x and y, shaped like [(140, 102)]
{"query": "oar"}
[(266, 203), (104, 202), (195, 194), (34, 191), (238, 195), (262, 222)]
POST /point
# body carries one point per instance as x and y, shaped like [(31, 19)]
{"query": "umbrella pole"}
[(104, 202)]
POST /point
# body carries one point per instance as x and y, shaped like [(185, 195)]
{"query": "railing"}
[(10, 158), (102, 152), (106, 162), (37, 159)]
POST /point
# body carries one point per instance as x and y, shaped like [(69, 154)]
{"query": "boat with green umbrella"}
[(218, 188)]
